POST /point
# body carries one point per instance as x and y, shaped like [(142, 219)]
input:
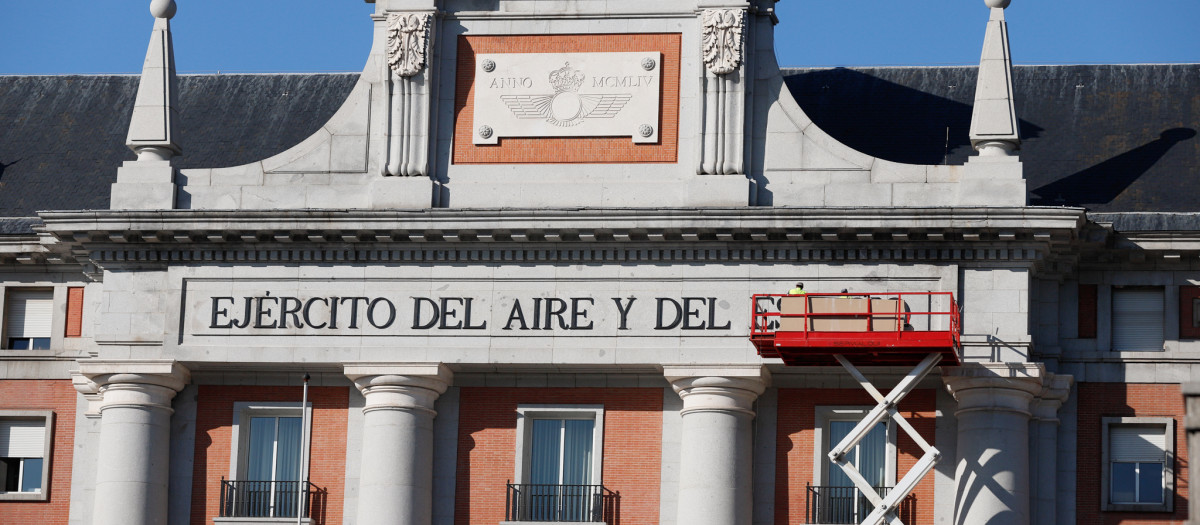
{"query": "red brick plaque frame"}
[(556, 150)]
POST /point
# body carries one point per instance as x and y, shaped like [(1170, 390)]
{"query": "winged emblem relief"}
[(566, 107)]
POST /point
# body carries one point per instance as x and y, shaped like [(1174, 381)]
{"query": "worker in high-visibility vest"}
[(798, 290)]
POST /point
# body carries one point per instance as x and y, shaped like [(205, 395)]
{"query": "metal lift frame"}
[(886, 507)]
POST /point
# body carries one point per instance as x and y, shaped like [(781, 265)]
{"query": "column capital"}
[(995, 386), (400, 386), (1191, 396), (134, 383), (727, 388)]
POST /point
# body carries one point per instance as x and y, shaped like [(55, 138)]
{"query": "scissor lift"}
[(865, 329)]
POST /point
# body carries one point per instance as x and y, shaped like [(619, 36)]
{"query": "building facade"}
[(508, 275)]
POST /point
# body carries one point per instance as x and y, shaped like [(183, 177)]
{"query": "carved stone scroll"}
[(724, 93), (723, 37), (408, 44)]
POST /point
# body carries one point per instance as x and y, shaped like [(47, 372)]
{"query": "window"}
[(267, 477), (28, 319), (558, 466), (1138, 463), (833, 498), (25, 438), (1137, 319)]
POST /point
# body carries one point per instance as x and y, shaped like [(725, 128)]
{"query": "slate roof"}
[(1112, 138), (62, 138)]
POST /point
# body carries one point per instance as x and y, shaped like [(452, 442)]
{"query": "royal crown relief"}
[(567, 95)]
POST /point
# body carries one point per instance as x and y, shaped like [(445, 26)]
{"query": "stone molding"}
[(90, 392), (729, 388), (135, 383), (408, 42), (724, 36), (1055, 390), (1004, 387), (400, 386)]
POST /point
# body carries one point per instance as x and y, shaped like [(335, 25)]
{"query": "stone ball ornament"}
[(162, 8), (1002, 4)]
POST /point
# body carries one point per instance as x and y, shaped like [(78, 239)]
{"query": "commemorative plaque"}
[(567, 95)]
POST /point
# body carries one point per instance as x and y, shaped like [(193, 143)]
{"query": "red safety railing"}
[(868, 328)]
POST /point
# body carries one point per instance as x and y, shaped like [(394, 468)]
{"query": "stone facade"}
[(449, 290)]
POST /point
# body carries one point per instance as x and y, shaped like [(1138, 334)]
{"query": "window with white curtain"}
[(1138, 318), (265, 470), (1138, 463), (28, 318), (559, 444), (25, 439), (836, 498)]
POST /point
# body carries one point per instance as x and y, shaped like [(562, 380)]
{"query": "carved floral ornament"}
[(408, 37), (723, 37)]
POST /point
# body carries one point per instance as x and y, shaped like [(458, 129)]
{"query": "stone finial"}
[(994, 130), (152, 127)]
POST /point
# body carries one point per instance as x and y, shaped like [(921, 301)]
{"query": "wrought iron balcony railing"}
[(836, 505), (573, 503), (264, 499)]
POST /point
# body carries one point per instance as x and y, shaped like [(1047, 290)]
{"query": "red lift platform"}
[(917, 329), (868, 329)]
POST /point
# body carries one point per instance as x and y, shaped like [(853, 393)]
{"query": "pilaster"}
[(1043, 442), (1191, 397)]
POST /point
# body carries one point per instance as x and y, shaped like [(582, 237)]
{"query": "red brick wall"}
[(74, 326), (1100, 400), (795, 439), (487, 428), (59, 396), (214, 434), (566, 149)]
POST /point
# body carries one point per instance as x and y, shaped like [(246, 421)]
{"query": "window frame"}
[(47, 418), (243, 411), (524, 441), (1114, 290), (6, 335), (827, 414), (1168, 503)]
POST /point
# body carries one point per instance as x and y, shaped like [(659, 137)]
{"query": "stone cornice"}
[(1043, 225)]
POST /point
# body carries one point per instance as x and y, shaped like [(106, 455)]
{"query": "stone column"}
[(396, 483), (716, 467), (1191, 399), (133, 461), (992, 474), (1043, 481)]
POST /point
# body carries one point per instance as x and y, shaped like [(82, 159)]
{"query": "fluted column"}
[(396, 483), (716, 467), (992, 474), (1043, 481), (135, 437)]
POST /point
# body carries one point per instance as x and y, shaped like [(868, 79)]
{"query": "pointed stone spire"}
[(994, 130), (148, 183), (152, 128)]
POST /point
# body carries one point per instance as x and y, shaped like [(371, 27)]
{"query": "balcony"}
[(880, 329), (264, 499), (560, 503), (837, 505)]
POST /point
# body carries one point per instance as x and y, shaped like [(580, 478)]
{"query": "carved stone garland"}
[(408, 36), (724, 91)]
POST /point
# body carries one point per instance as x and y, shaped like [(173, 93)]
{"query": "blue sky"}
[(110, 36)]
